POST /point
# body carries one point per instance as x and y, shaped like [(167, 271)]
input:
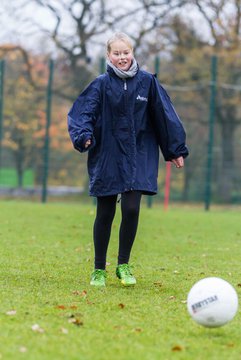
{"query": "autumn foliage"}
[(24, 125)]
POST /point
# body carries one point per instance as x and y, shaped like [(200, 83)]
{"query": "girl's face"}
[(121, 55)]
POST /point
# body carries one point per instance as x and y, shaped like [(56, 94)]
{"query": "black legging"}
[(106, 207)]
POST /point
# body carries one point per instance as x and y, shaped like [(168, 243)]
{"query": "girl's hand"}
[(179, 162), (88, 143)]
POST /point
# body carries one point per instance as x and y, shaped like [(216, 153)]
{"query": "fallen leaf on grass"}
[(76, 292), (64, 307), (64, 331), (89, 302), (172, 297), (138, 330), (239, 285), (121, 306), (37, 328), (11, 312), (84, 293), (157, 283), (177, 348), (23, 349), (76, 321), (183, 301), (61, 307)]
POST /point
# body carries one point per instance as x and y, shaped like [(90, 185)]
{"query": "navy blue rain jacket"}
[(127, 121)]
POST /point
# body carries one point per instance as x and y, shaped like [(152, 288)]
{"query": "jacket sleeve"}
[(167, 125), (82, 116)]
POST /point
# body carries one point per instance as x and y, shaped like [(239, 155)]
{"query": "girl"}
[(122, 118)]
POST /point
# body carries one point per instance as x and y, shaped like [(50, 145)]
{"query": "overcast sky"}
[(19, 19)]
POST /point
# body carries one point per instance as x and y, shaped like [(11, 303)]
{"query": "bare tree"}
[(224, 21), (78, 30), (90, 22)]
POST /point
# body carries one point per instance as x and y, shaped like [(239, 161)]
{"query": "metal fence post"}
[(157, 70), (212, 109), (2, 68), (48, 122), (157, 66), (102, 65)]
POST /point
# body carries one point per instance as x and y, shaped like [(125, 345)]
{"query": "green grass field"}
[(9, 178), (49, 310)]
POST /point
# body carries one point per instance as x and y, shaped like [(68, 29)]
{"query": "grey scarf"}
[(124, 74)]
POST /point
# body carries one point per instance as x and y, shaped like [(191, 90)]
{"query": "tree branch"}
[(24, 53)]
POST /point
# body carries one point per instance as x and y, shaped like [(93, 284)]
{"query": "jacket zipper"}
[(125, 89), (125, 97)]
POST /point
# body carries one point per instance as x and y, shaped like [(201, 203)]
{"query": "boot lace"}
[(98, 274), (125, 270)]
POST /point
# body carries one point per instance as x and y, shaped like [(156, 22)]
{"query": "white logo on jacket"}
[(141, 98)]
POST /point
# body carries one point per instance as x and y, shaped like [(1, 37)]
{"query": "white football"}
[(212, 302)]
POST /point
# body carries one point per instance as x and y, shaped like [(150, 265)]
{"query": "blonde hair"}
[(119, 36)]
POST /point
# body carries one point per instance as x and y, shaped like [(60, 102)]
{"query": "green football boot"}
[(123, 272), (98, 277)]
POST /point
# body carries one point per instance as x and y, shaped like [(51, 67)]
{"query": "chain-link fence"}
[(37, 159)]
